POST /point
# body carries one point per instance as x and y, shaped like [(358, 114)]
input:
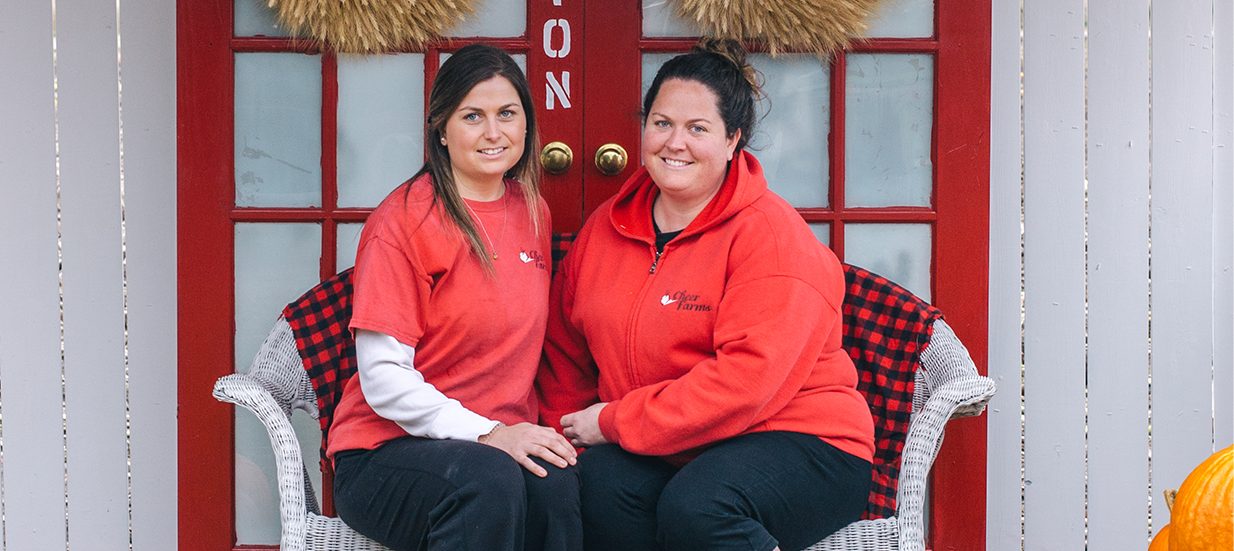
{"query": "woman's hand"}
[(524, 440), (583, 427)]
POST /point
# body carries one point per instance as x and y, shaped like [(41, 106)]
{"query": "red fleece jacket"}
[(735, 329)]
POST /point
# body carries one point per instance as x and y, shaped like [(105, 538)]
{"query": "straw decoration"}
[(371, 26), (820, 26)]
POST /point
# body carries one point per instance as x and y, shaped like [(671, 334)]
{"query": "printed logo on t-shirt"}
[(533, 257), (682, 300)]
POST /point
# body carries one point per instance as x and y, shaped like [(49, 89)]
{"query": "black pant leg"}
[(619, 496), (554, 518), (416, 494), (760, 491)]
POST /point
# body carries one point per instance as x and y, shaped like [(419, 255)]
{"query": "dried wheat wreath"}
[(371, 26), (820, 26)]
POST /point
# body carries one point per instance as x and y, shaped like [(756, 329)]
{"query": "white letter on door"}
[(548, 38), (559, 90)]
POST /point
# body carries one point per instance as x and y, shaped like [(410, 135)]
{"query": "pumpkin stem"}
[(1169, 499)]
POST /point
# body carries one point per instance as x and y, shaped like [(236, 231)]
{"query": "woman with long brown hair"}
[(434, 441)]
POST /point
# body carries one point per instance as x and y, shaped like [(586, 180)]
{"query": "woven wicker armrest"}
[(955, 389), (925, 437), (247, 392)]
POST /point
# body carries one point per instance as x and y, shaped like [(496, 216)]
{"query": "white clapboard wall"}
[(1110, 270), (1110, 130), (87, 242)]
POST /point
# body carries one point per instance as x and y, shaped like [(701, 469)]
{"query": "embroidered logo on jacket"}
[(533, 257), (684, 301)]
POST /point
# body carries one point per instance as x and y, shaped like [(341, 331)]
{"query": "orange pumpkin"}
[(1162, 541), (1203, 513)]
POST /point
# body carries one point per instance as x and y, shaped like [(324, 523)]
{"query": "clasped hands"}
[(583, 427), (525, 440)]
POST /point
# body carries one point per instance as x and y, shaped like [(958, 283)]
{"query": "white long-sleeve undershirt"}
[(398, 392)]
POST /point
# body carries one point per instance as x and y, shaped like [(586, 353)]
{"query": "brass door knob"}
[(611, 159), (556, 157)]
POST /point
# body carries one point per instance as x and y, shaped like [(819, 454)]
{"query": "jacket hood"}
[(630, 210)]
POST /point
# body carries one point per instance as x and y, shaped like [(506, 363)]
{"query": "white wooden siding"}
[(87, 388), (148, 28), (30, 366), (1101, 137), (1117, 272), (1054, 265), (1111, 175)]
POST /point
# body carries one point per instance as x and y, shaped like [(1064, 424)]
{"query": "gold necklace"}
[(492, 247)]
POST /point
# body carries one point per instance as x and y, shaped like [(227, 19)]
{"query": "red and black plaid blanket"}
[(885, 330), (319, 320)]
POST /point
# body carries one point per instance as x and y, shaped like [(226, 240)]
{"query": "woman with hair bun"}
[(694, 342), (434, 441)]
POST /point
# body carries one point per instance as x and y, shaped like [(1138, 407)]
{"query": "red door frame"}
[(206, 214), (205, 268)]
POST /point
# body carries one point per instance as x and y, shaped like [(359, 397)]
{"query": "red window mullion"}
[(835, 145), (252, 44), (329, 162)]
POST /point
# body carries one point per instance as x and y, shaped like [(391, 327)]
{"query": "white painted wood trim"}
[(1003, 477), (148, 28)]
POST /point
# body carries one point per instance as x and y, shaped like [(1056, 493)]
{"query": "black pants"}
[(753, 492), (417, 494)]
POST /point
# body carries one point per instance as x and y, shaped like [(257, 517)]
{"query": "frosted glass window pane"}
[(899, 252), (888, 121), (278, 130), (651, 64), (348, 240), (902, 19), (791, 141), (255, 18), (274, 264), (822, 232), (380, 125), (494, 18), (519, 59), (660, 19)]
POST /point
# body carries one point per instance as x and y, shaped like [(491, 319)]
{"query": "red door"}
[(883, 150)]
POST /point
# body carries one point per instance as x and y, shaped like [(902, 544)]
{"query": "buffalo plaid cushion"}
[(561, 244), (885, 330), (319, 320)]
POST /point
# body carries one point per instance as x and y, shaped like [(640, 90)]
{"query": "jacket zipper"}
[(635, 381)]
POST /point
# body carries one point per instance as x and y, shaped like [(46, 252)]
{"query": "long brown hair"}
[(460, 73)]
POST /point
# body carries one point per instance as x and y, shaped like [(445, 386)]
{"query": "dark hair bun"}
[(736, 54)]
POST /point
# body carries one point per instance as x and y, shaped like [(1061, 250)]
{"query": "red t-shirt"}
[(477, 336)]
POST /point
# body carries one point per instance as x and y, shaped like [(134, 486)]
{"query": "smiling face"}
[(485, 137), (685, 148)]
